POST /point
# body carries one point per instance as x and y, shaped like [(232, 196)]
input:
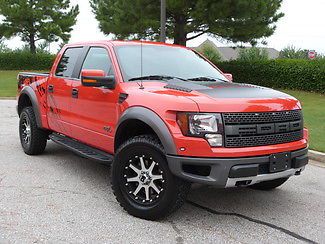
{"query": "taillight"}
[(20, 82)]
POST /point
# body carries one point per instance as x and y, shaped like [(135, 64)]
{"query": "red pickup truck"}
[(164, 117)]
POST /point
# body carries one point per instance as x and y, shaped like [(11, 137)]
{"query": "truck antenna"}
[(141, 66), (141, 54)]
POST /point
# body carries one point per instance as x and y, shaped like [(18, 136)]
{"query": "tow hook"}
[(243, 183), (298, 172)]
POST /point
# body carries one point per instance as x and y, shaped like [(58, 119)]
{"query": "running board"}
[(82, 149)]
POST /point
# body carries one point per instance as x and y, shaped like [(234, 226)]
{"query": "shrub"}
[(303, 75), (252, 54), (292, 52), (24, 60), (210, 53), (320, 57)]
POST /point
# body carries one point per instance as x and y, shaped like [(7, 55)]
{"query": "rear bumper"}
[(229, 172)]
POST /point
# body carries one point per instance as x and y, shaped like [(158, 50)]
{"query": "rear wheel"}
[(32, 139), (269, 185), (142, 182)]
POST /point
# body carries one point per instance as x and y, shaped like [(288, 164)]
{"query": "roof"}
[(123, 43), (231, 53)]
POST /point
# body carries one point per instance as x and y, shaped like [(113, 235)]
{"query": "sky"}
[(303, 27)]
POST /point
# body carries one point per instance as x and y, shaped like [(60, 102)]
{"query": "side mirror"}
[(229, 77), (97, 78)]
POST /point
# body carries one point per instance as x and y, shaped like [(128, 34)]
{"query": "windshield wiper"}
[(204, 78), (156, 77)]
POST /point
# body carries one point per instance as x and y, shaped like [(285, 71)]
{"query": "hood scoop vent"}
[(177, 88)]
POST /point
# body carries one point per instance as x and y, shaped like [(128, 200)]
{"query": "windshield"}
[(164, 61)]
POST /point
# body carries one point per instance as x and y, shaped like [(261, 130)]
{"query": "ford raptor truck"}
[(164, 117)]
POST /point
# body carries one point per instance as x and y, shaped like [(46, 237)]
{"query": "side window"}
[(98, 58), (68, 61)]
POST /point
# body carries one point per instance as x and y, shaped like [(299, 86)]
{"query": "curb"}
[(317, 156), (7, 98)]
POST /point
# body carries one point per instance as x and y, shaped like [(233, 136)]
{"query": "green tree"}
[(1, 36), (3, 47), (42, 48), (292, 52), (252, 54), (35, 20), (210, 53), (233, 20)]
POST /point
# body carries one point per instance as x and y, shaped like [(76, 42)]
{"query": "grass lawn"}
[(8, 83), (313, 107)]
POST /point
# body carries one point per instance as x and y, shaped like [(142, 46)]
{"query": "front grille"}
[(252, 141), (259, 129), (268, 117)]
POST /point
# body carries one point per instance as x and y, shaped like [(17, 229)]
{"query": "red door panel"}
[(58, 102), (94, 111), (93, 116), (59, 90)]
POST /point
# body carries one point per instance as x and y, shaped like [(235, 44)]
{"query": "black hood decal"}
[(219, 89)]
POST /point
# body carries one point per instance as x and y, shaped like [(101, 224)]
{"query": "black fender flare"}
[(30, 93), (150, 118)]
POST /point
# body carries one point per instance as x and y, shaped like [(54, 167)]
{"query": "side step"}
[(82, 149)]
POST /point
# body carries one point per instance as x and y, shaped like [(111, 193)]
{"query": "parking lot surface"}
[(59, 197)]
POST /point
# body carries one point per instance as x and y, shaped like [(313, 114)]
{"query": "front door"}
[(95, 109)]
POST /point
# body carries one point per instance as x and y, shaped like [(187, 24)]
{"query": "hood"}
[(235, 97), (226, 89)]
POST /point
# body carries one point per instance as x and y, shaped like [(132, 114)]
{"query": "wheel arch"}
[(152, 123), (27, 98)]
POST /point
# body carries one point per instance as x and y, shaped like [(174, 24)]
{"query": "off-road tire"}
[(38, 137), (269, 185), (175, 190)]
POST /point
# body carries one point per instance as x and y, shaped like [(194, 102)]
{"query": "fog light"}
[(215, 140)]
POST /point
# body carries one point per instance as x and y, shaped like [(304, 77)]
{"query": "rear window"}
[(68, 61)]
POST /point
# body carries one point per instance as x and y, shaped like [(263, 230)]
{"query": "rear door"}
[(59, 90), (95, 109)]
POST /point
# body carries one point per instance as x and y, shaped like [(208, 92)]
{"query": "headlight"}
[(205, 125)]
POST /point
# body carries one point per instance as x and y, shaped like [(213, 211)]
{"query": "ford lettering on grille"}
[(258, 129)]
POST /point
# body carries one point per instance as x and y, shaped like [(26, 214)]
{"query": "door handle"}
[(75, 93), (51, 88)]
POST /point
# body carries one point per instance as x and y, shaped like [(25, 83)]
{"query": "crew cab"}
[(164, 117)]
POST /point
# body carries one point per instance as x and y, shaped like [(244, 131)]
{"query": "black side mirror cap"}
[(97, 81)]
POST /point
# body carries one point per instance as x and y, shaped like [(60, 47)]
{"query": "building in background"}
[(232, 53)]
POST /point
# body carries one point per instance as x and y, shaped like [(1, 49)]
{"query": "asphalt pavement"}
[(59, 197)]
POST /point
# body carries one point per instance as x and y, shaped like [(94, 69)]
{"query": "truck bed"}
[(26, 78)]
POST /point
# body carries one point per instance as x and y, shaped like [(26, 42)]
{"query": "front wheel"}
[(269, 185), (142, 181)]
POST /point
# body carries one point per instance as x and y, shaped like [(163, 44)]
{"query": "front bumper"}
[(230, 172)]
